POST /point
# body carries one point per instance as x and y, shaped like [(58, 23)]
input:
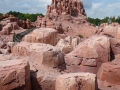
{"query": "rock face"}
[(42, 35), (44, 78), (11, 23), (109, 30), (6, 29), (41, 54), (109, 76), (76, 81), (64, 46), (68, 44), (66, 16), (15, 74), (89, 55)]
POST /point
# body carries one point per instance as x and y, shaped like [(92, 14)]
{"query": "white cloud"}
[(26, 6)]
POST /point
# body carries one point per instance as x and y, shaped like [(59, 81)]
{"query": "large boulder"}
[(44, 78), (109, 76), (15, 75), (40, 53), (115, 46), (64, 46), (89, 55), (7, 29), (42, 35), (68, 44), (44, 54), (76, 81), (110, 30)]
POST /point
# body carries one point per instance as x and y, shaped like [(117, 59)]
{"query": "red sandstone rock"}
[(41, 54), (67, 17), (76, 81), (42, 35), (6, 29), (14, 74), (109, 76), (44, 78), (89, 55), (44, 54), (64, 46), (28, 22), (115, 45)]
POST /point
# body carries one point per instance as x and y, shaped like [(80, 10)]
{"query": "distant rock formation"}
[(66, 16)]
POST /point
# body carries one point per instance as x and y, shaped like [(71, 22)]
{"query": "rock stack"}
[(66, 16)]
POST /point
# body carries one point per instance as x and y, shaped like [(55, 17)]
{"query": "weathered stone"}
[(76, 81), (14, 74), (108, 76), (89, 55), (42, 35)]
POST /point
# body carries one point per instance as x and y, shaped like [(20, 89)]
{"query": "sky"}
[(94, 8)]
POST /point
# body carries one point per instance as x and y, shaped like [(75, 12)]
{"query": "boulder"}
[(64, 46), (115, 46), (14, 75), (89, 55), (42, 35), (109, 76), (41, 54), (76, 81), (44, 54), (44, 78), (15, 26), (6, 29), (21, 49)]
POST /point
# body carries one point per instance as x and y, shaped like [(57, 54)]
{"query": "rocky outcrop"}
[(109, 76), (42, 35), (44, 78), (64, 46), (76, 81), (6, 29), (89, 55), (68, 44), (67, 17), (14, 74)]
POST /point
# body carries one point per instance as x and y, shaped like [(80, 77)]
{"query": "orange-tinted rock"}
[(76, 81), (89, 55), (22, 49), (67, 17), (64, 46), (14, 74), (41, 54), (115, 45), (6, 29), (109, 76), (42, 35), (44, 54), (44, 78)]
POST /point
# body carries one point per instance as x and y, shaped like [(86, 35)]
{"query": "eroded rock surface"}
[(89, 55), (42, 35), (15, 74), (76, 81), (109, 76)]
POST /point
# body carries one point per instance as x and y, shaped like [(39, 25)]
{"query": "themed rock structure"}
[(10, 23), (66, 16)]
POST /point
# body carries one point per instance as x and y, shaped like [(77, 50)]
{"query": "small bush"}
[(81, 36)]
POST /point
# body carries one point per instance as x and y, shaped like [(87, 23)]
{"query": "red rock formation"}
[(89, 55), (42, 35), (66, 16), (14, 74), (109, 76), (76, 81)]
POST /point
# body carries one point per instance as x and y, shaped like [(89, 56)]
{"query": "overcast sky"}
[(94, 8)]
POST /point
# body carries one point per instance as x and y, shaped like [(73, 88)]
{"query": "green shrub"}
[(81, 36)]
